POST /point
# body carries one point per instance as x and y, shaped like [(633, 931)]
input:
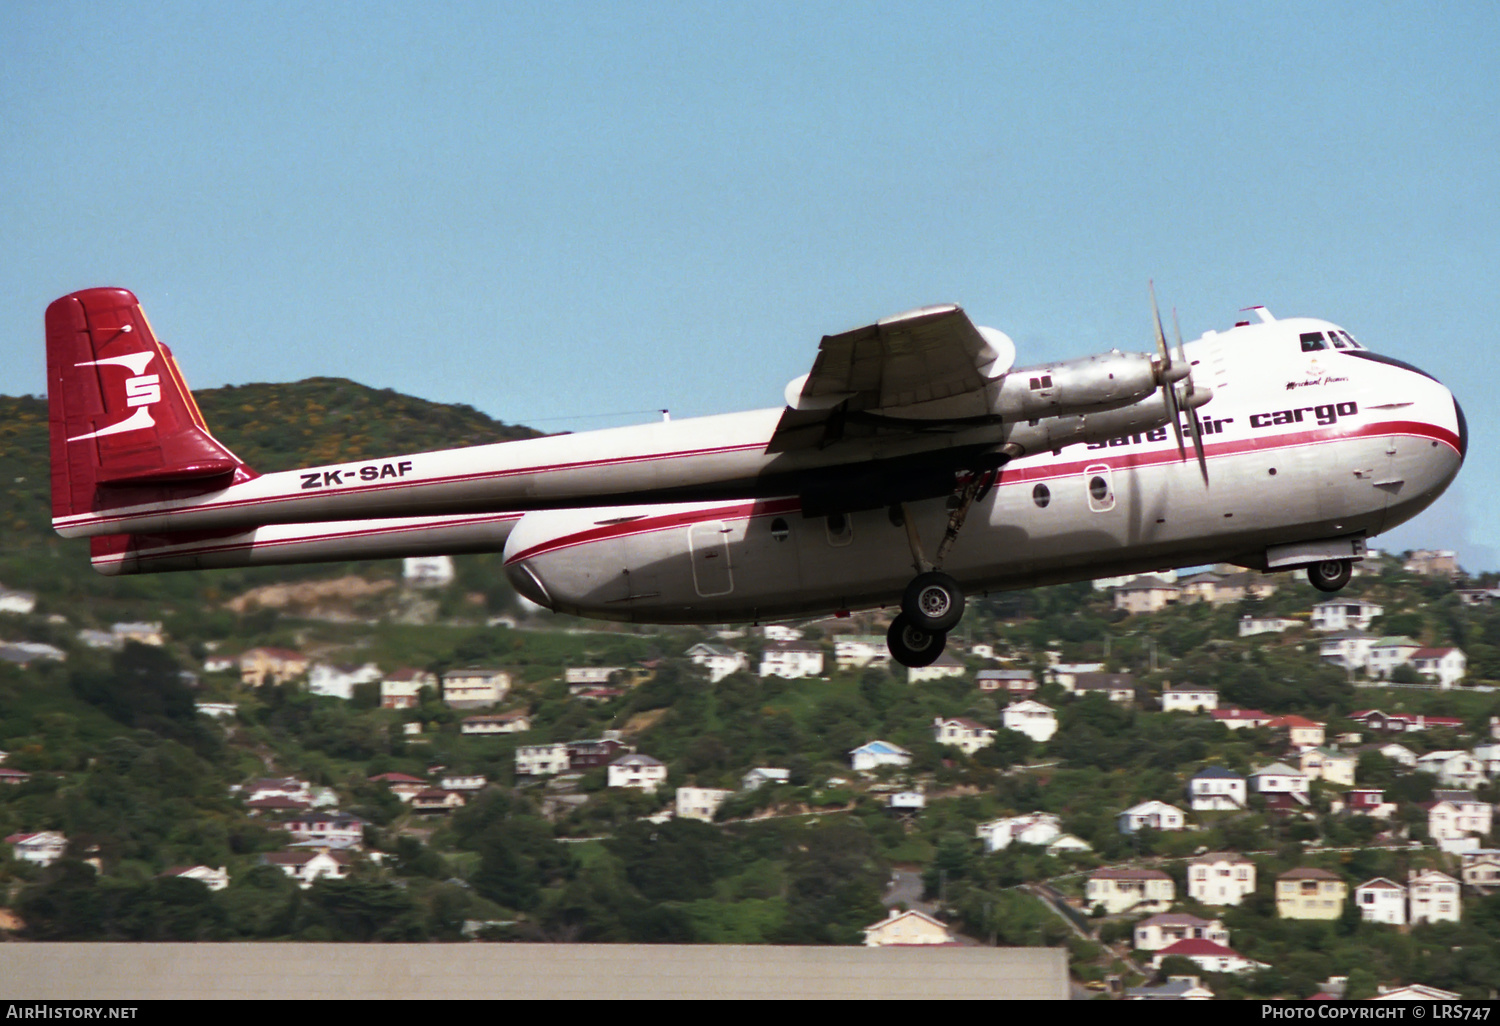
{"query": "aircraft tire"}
[(1331, 574), (913, 646), (933, 601)]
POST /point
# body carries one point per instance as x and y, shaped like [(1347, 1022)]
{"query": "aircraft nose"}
[(1463, 429)]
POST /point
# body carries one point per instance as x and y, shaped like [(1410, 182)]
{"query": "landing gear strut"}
[(1331, 574)]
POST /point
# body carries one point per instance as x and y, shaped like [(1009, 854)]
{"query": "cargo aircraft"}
[(912, 464)]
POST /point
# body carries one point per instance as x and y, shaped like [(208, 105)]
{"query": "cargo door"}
[(709, 544)]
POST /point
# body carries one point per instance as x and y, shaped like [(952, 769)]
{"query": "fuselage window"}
[(840, 529), (779, 529), (1098, 488), (1312, 341), (1041, 495)]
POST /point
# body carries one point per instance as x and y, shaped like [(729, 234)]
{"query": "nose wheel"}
[(933, 601), (1331, 574)]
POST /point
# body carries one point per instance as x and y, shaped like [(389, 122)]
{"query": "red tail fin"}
[(125, 428)]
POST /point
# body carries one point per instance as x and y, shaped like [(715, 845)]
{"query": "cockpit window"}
[(1312, 341), (1337, 340), (1350, 339)]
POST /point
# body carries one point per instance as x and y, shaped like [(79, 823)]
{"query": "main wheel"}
[(1331, 574), (912, 646), (933, 601)]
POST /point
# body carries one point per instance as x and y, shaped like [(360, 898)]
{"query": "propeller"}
[(1169, 375)]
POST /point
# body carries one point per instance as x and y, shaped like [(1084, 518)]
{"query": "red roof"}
[(1199, 946)]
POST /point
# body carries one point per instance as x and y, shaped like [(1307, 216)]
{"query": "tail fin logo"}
[(142, 391)]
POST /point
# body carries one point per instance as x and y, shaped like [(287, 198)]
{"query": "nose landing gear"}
[(1331, 574)]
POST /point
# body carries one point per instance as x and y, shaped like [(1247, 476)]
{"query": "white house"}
[(791, 659), (1456, 818), (1211, 957), (1381, 901), (941, 668), (1154, 814), (427, 571), (1447, 666), (403, 689), (1239, 719), (968, 736), (1345, 614), (1187, 698), (1168, 928), (1130, 890), (517, 721), (637, 771), (475, 687), (1348, 649), (43, 848), (213, 879), (780, 632), (1279, 778), (1221, 878), (855, 651), (1435, 897), (1216, 789), (1066, 674), (1032, 718), (328, 826), (905, 929), (1454, 769), (307, 866), (875, 754), (1399, 754), (22, 602), (541, 760), (762, 775), (700, 803), (719, 660), (1252, 625), (337, 680), (1037, 828)]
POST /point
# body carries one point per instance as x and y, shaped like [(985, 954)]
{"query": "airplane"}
[(919, 426)]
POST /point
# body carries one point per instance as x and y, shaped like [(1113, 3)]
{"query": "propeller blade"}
[(1192, 411), (1161, 338)]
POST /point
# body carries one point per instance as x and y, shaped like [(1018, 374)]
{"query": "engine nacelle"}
[(1102, 382)]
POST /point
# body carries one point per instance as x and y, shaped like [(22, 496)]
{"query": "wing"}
[(931, 364)]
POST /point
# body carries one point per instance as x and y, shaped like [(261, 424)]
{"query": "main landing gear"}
[(933, 602), (1330, 575)]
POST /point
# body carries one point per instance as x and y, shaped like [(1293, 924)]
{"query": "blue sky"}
[(553, 211)]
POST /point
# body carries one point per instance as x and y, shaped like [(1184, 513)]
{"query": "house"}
[(719, 660), (1433, 563), (402, 785), (143, 632), (41, 849), (1310, 893), (541, 760), (24, 653), (700, 803), (1456, 819), (1301, 731), (1368, 801), (968, 736), (475, 687), (905, 929), (1347, 649), (637, 771), (589, 676), (941, 668), (762, 775), (1164, 930), (1146, 595), (437, 800), (1403, 723), (1017, 683), (1434, 896), (403, 689), (1447, 666), (217, 710), (1328, 764), (593, 752), (1032, 718), (1453, 769), (907, 801), (1036, 828), (337, 680), (308, 866), (1400, 755), (1252, 625), (213, 879), (1211, 957), (1344, 614), (875, 754), (1216, 789), (1481, 870), (1177, 988), (277, 787), (1221, 878), (20, 602), (791, 659), (517, 721), (427, 571), (1237, 719), (463, 782), (1117, 687), (1129, 890), (1381, 901), (780, 632), (1388, 653), (1187, 698), (259, 666), (856, 651), (1153, 814), (1280, 779), (14, 777), (1413, 992), (330, 827), (1065, 675)]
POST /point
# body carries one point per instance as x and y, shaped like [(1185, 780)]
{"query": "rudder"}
[(124, 427)]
